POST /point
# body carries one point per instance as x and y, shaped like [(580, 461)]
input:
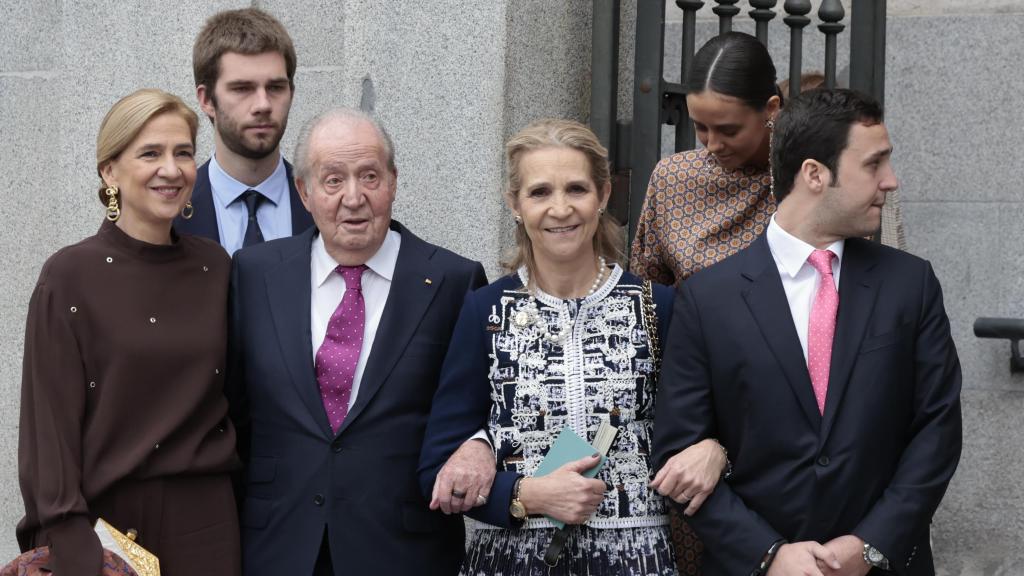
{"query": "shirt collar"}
[(381, 263), (791, 252), (227, 190)]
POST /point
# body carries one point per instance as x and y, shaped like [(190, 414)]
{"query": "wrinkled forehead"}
[(347, 141)]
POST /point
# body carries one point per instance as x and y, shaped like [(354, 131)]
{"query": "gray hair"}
[(301, 158)]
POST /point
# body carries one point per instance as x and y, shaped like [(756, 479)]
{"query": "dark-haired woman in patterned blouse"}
[(704, 205)]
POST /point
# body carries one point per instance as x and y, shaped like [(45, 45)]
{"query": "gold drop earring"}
[(113, 207)]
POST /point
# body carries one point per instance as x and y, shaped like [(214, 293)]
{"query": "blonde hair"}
[(609, 240), (126, 119)]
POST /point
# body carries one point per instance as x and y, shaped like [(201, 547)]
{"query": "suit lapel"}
[(301, 218), (408, 300), (857, 291), (767, 301), (288, 291)]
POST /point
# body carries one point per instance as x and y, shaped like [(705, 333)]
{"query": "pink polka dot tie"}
[(337, 357), (822, 326)]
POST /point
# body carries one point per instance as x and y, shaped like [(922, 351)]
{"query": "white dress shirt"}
[(799, 279), (274, 214), (328, 288)]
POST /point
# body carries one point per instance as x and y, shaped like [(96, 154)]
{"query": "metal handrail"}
[(1011, 329)]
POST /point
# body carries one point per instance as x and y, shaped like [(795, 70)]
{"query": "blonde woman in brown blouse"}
[(122, 410)]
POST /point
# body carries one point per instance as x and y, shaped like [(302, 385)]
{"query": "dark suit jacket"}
[(204, 218), (361, 482), (875, 465)]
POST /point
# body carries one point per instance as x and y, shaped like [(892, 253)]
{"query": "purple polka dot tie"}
[(822, 326), (337, 357)]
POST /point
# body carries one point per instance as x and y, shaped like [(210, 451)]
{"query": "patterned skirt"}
[(644, 551)]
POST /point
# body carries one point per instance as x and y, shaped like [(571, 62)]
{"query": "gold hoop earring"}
[(113, 209), (518, 218), (600, 211), (187, 211)]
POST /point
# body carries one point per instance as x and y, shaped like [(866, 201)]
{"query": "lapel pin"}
[(428, 281)]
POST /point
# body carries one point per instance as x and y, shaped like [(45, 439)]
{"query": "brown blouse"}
[(696, 214), (122, 379)]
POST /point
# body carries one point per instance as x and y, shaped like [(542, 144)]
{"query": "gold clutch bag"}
[(144, 562)]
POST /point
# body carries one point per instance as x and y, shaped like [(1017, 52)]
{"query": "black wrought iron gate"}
[(635, 146)]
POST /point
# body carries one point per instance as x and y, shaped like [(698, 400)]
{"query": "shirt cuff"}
[(482, 434)]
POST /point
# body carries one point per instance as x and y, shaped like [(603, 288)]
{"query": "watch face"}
[(874, 556), (517, 510)]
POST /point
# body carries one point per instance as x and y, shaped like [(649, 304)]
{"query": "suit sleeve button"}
[(823, 461), (318, 499)]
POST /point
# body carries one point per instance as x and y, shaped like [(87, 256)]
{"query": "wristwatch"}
[(874, 557), (516, 508)]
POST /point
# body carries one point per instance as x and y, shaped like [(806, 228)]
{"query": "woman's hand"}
[(691, 475), (564, 494)]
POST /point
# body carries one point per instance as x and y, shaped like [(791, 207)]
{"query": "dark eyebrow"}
[(879, 155), (243, 82)]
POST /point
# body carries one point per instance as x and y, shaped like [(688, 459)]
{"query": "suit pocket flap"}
[(261, 469), (882, 340)]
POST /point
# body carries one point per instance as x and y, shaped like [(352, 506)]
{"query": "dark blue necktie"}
[(253, 234)]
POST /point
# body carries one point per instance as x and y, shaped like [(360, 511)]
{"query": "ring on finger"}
[(458, 494), (481, 499)]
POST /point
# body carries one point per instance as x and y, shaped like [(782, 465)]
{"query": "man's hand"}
[(849, 550), (803, 559), (465, 479), (691, 475)]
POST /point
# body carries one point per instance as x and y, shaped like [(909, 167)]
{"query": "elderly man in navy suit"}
[(823, 363), (337, 338), (244, 67)]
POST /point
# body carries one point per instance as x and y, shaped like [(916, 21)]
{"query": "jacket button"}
[(318, 499), (336, 445), (823, 461)]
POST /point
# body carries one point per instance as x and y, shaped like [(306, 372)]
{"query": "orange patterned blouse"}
[(696, 214)]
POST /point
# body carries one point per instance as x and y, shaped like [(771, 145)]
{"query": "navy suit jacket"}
[(876, 464), (361, 482), (204, 216)]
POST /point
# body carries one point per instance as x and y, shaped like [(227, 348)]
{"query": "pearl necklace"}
[(601, 267), (531, 314)]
